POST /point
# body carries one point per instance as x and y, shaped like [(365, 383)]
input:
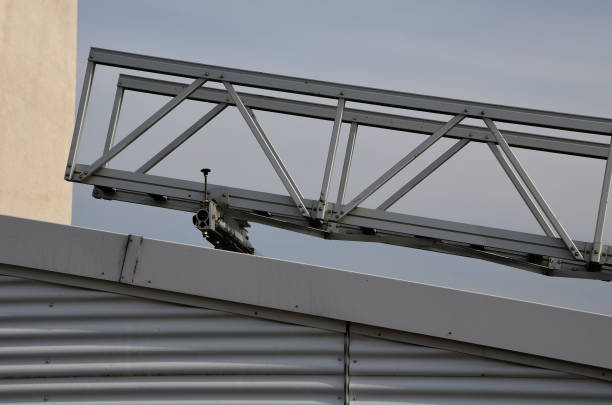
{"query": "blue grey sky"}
[(552, 55)]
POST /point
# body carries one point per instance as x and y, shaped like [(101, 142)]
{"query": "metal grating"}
[(385, 372), (62, 344)]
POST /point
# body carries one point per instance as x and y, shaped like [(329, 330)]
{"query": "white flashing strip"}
[(524, 327)]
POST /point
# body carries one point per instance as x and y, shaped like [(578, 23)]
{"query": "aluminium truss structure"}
[(222, 212)]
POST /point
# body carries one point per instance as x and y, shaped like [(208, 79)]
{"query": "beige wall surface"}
[(37, 90)]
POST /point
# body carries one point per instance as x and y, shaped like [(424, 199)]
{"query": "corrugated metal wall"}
[(385, 372), (61, 344), (68, 345)]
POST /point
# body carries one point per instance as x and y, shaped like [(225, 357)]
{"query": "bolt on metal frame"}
[(555, 254)]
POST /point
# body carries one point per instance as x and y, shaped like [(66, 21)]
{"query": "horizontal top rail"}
[(523, 140), (516, 115)]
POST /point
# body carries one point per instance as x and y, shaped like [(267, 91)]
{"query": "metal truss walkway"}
[(222, 212)]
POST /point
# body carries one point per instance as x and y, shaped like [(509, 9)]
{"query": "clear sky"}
[(552, 55)]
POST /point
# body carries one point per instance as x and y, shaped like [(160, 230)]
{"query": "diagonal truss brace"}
[(179, 140), (501, 141), (423, 174), (269, 150), (388, 175), (142, 128), (521, 190), (404, 123)]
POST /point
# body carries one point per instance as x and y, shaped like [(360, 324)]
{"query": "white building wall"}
[(37, 89)]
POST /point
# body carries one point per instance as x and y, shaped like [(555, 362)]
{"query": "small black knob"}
[(205, 171)]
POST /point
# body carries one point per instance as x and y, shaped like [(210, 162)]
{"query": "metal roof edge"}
[(301, 293)]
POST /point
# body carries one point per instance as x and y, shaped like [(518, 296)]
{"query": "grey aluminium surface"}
[(80, 118), (304, 290), (352, 93), (412, 183), (179, 140), (495, 245), (501, 141), (186, 195), (535, 211), (596, 150), (268, 149), (114, 120), (65, 345), (148, 123), (62, 344), (329, 164), (601, 212), (396, 168), (346, 165), (386, 372)]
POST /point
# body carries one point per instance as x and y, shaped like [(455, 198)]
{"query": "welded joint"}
[(554, 263), (130, 259), (601, 253)]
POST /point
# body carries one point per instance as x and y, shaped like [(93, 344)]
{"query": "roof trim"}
[(310, 295)]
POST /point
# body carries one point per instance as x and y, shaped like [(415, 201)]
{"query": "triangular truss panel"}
[(222, 212), (469, 187)]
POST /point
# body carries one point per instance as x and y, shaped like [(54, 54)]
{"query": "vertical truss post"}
[(268, 149), (179, 140), (149, 122), (114, 120), (416, 152), (521, 190), (329, 165), (423, 174), (601, 213), (346, 167), (533, 189), (80, 119)]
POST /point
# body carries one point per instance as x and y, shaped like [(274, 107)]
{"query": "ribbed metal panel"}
[(385, 372), (62, 344), (68, 345)]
